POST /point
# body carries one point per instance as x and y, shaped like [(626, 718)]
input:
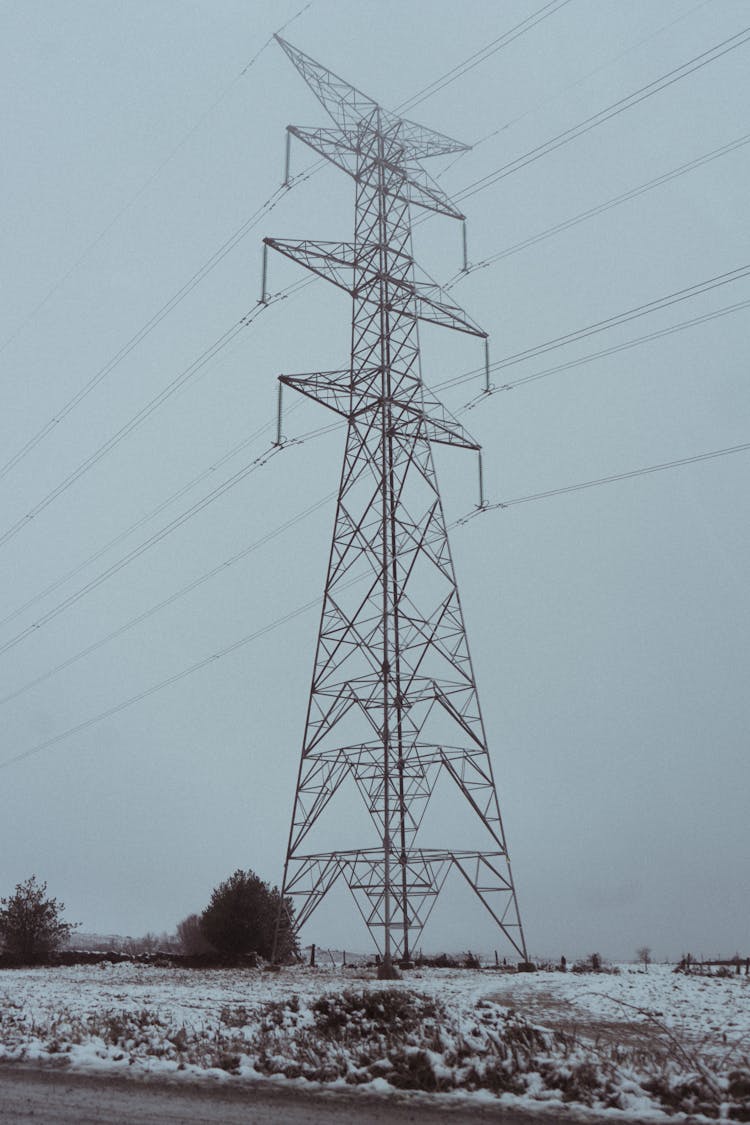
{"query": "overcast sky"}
[(608, 626)]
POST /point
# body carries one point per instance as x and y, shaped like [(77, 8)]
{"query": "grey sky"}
[(608, 627)]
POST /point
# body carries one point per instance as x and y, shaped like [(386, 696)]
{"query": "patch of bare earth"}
[(636, 1031)]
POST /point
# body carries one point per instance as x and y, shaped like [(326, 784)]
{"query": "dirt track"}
[(640, 1032)]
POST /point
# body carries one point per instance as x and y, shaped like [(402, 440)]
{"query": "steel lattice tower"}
[(393, 701)]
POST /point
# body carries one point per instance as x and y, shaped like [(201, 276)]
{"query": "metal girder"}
[(393, 703)]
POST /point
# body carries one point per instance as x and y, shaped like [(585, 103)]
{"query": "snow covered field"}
[(654, 1045)]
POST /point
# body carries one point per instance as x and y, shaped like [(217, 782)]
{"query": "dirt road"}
[(53, 1098)]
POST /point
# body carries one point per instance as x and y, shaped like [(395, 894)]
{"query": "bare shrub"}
[(191, 938)]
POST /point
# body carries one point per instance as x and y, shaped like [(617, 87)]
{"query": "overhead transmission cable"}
[(646, 470), (598, 209), (140, 696), (223, 94), (177, 384), (488, 181), (580, 361), (216, 464), (148, 327), (555, 97), (501, 364), (221, 568), (481, 55), (617, 319), (235, 646), (619, 476), (198, 506), (271, 202), (158, 536), (571, 364), (210, 264), (228, 245), (632, 193), (452, 382), (536, 376), (606, 114)]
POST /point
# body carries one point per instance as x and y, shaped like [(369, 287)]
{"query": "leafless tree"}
[(191, 937), (644, 956)]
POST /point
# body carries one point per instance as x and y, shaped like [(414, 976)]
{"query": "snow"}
[(713, 1009), (654, 1044)]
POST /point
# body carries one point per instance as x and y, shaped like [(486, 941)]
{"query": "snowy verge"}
[(440, 1032)]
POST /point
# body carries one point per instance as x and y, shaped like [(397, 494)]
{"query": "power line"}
[(136, 552), (166, 602), (596, 210), (160, 507), (189, 671), (599, 209), (315, 602), (270, 203), (606, 114), (621, 476), (224, 340), (141, 415), (157, 537), (617, 319), (226, 247), (150, 325), (501, 504), (555, 97), (57, 285), (703, 318), (484, 53)]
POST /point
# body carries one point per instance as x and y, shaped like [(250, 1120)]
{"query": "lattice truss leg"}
[(393, 701)]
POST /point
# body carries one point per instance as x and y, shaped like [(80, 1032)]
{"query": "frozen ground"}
[(652, 1046)]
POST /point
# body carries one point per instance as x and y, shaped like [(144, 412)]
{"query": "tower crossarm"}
[(339, 263), (443, 428), (418, 187), (332, 389), (337, 392), (348, 107), (333, 261), (340, 146), (411, 183), (445, 315)]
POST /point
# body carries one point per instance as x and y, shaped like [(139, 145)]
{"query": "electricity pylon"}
[(393, 701)]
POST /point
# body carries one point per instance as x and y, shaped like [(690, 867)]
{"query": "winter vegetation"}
[(243, 916), (643, 1040), (240, 922), (656, 1045), (31, 924)]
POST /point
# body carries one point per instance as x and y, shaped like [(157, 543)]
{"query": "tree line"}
[(240, 919)]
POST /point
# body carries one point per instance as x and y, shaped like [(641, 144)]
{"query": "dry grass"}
[(415, 1042)]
